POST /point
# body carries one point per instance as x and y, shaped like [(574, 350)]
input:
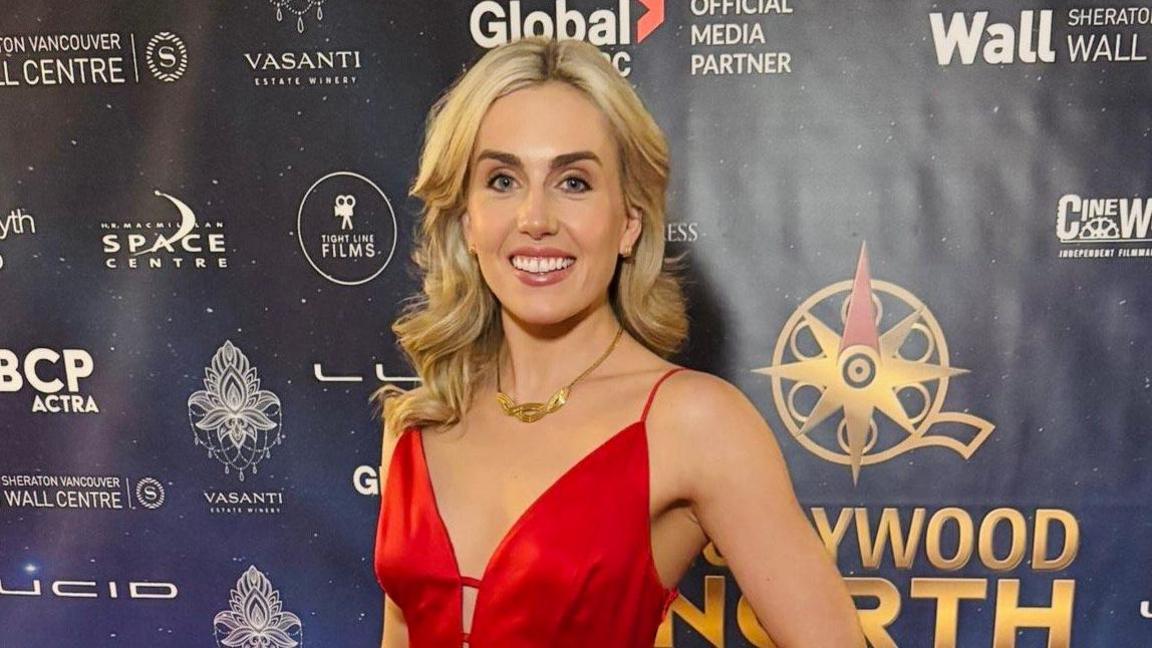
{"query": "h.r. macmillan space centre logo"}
[(867, 394)]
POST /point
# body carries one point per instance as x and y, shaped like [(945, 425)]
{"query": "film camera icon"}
[(343, 210)]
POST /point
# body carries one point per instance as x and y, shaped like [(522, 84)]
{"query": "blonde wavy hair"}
[(451, 330)]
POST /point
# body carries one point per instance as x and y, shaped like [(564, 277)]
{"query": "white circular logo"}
[(166, 56), (347, 228), (150, 493)]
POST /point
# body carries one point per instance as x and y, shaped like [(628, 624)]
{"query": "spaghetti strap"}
[(652, 394)]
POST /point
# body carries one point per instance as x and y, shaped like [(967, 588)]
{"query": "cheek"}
[(488, 223), (597, 232)]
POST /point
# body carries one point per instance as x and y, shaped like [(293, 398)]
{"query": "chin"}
[(541, 311)]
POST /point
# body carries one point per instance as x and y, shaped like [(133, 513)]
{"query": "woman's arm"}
[(743, 498), (395, 630)]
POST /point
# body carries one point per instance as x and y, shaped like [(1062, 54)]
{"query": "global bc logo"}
[(969, 37), (495, 23), (53, 375)]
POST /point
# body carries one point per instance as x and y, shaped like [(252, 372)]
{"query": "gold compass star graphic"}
[(861, 371)]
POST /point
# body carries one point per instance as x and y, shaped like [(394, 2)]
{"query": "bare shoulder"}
[(697, 403), (713, 425), (702, 393)]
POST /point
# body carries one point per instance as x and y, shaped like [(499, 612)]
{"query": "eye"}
[(576, 183), (495, 182)]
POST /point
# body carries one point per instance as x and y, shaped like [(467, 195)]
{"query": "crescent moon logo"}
[(187, 224)]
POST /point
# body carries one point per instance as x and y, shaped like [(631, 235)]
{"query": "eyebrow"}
[(564, 159)]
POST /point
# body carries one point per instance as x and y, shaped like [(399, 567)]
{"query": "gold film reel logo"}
[(858, 393)]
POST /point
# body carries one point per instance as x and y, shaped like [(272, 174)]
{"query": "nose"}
[(534, 216)]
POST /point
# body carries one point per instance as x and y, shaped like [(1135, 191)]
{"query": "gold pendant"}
[(531, 412)]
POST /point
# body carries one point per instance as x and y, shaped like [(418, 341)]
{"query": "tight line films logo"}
[(347, 228), (867, 395)]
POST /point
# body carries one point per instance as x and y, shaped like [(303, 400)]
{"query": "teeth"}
[(541, 265)]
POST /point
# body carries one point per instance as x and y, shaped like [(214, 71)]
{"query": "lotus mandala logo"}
[(867, 394), (298, 8), (236, 420), (256, 618)]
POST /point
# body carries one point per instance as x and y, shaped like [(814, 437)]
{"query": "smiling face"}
[(545, 208)]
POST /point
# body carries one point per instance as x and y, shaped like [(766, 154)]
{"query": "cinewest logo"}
[(495, 23)]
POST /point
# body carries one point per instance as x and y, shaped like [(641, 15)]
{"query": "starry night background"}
[(950, 174)]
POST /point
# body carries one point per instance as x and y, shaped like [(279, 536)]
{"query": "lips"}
[(540, 251), (541, 266)]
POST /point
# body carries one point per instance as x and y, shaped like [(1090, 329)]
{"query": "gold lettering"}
[(875, 621), (709, 622), (889, 530), (1044, 520), (832, 535), (988, 533), (948, 592), (965, 543), (1010, 617)]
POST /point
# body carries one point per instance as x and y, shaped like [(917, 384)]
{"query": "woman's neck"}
[(538, 360)]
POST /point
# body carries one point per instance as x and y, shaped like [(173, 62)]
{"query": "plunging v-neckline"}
[(525, 515)]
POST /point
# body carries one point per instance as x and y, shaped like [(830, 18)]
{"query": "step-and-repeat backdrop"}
[(205, 234)]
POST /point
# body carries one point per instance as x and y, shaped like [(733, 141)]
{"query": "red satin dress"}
[(575, 570)]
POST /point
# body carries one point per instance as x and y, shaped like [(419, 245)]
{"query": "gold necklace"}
[(531, 412)]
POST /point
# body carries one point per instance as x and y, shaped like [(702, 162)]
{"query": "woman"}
[(537, 492)]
